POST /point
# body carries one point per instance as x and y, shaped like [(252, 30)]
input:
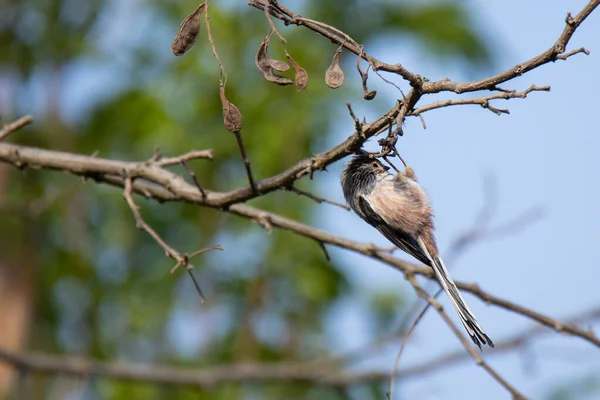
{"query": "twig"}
[(573, 52), (192, 174), (325, 252), (238, 137), (311, 372), (336, 36), (357, 124), (272, 24), (555, 52), (317, 199), (192, 155), (170, 252), (549, 322), (166, 186), (482, 101), (481, 229), (198, 252), (405, 338), (222, 74), (465, 342), (514, 342), (15, 126), (298, 20), (388, 81), (367, 94)]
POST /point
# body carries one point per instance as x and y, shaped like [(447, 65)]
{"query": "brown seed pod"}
[(279, 65), (265, 64), (334, 76), (262, 58), (369, 94), (232, 117), (301, 78), (188, 32)]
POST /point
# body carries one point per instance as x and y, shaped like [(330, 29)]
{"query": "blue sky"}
[(543, 154)]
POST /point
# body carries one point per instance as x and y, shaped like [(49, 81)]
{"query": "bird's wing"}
[(403, 240)]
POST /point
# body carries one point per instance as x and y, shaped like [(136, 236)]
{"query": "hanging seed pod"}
[(301, 77), (265, 64), (334, 76), (369, 94), (279, 65), (232, 117), (188, 32), (262, 58)]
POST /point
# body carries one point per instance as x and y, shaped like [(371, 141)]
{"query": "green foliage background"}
[(102, 288)]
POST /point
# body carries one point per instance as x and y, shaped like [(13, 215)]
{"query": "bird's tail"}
[(467, 318)]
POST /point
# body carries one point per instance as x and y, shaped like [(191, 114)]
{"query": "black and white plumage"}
[(398, 207)]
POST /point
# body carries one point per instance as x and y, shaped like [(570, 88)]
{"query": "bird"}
[(398, 207)]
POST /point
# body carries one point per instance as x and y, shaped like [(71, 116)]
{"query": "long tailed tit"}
[(399, 208)]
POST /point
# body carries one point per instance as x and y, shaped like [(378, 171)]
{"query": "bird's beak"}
[(386, 168)]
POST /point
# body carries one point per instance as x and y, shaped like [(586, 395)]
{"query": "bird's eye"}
[(375, 164)]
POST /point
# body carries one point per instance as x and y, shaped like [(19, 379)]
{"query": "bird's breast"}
[(403, 204)]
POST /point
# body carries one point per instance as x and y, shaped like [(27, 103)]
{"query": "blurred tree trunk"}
[(16, 290)]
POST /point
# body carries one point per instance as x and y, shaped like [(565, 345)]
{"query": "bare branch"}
[(170, 252), (573, 52), (240, 142), (316, 199), (465, 342), (152, 180), (512, 343), (555, 52), (192, 155), (482, 101), (166, 186), (223, 75), (336, 36), (15, 126), (312, 372), (192, 174), (551, 323), (405, 339)]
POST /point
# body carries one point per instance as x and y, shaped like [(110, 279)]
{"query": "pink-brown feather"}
[(405, 206)]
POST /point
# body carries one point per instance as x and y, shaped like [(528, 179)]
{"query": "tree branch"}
[(484, 102), (15, 126), (555, 52), (162, 185), (325, 375)]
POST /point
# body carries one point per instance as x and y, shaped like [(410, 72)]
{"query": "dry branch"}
[(165, 186), (152, 180), (317, 373), (15, 126)]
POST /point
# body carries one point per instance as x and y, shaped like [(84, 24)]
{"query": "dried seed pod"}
[(369, 94), (262, 58), (232, 117), (188, 32), (264, 64), (301, 78), (278, 79), (334, 76), (279, 65)]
